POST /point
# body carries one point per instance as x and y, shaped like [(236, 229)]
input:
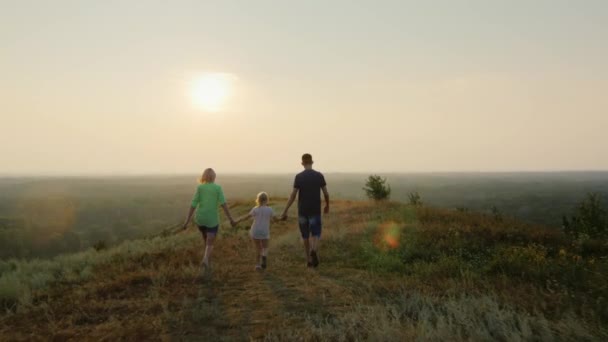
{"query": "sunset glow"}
[(211, 91)]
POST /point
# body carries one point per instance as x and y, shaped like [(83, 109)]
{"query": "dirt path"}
[(249, 303), (155, 296)]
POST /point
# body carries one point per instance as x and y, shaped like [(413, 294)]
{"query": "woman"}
[(205, 202)]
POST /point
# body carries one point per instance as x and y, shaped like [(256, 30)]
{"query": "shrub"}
[(415, 198), (100, 245), (496, 213), (377, 188), (9, 291), (590, 219)]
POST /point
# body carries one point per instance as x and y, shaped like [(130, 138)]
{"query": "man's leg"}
[(307, 249), (314, 243), (305, 232), (315, 229)]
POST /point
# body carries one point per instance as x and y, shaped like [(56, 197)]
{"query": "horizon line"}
[(283, 173)]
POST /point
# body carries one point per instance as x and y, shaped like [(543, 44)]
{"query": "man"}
[(308, 186)]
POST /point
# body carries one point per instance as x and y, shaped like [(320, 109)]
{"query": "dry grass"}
[(389, 272)]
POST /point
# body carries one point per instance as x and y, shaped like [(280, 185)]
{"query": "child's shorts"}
[(259, 234)]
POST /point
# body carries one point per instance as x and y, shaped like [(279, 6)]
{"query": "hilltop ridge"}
[(388, 271)]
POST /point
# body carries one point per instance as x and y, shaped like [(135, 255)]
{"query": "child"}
[(206, 200), (260, 229)]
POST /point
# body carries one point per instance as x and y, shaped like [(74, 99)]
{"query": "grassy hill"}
[(388, 272)]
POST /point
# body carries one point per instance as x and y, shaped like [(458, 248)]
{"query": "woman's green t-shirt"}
[(207, 198)]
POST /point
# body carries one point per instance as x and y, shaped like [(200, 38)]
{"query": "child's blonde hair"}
[(261, 199), (208, 176)]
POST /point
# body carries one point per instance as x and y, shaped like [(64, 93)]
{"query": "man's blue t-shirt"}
[(309, 184)]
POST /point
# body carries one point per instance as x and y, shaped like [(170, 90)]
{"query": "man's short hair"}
[(306, 158)]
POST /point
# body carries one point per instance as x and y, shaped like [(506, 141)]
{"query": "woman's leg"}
[(208, 249), (203, 231)]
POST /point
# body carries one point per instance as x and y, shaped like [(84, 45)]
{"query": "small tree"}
[(590, 218), (377, 188), (100, 245), (496, 213), (415, 198)]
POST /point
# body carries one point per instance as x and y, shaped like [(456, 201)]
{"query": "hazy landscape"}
[(462, 143), (391, 271), (47, 216)]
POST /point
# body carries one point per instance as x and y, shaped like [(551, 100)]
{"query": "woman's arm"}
[(227, 211), (189, 217)]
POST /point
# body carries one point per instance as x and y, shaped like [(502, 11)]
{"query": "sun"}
[(211, 91)]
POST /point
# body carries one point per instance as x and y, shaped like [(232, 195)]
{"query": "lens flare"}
[(389, 235), (48, 213)]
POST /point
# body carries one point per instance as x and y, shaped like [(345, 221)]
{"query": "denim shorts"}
[(208, 230), (310, 225)]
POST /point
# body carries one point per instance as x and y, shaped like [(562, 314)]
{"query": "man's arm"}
[(326, 195), (292, 198)]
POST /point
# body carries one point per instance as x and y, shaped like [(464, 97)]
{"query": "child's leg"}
[(264, 247), (257, 251)]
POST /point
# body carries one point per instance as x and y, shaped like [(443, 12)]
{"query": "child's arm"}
[(242, 218)]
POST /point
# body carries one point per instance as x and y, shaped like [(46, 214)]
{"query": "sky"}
[(110, 87)]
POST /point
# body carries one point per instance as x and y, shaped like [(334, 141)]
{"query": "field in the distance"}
[(42, 217), (389, 272)]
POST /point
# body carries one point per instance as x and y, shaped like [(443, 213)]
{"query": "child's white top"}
[(260, 229)]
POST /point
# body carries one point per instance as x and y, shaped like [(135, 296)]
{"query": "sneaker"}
[(315, 259), (309, 264), (263, 262), (258, 267)]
